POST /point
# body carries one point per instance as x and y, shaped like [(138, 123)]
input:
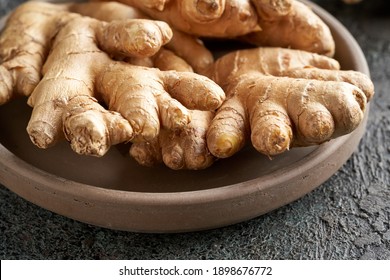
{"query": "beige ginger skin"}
[(276, 98), (211, 18), (296, 26), (281, 98), (178, 149), (280, 23), (183, 47), (183, 148), (78, 72)]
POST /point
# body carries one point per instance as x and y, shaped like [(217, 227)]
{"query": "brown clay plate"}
[(115, 192)]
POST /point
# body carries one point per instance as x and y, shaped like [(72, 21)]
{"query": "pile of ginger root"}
[(101, 73)]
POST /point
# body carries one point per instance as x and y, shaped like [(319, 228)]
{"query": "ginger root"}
[(282, 23), (281, 98), (278, 98), (185, 148), (83, 82), (79, 72), (21, 57), (24, 50), (182, 47), (210, 18), (296, 27)]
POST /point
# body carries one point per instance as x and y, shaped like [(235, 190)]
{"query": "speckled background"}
[(348, 217)]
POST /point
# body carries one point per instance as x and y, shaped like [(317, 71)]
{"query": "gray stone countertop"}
[(347, 217)]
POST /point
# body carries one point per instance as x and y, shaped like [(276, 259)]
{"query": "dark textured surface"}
[(348, 217)]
